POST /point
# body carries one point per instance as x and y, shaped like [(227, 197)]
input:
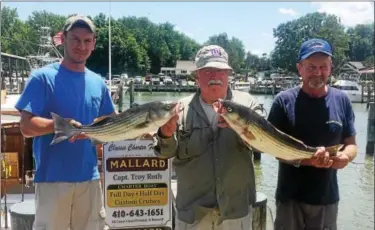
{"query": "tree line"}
[(140, 46)]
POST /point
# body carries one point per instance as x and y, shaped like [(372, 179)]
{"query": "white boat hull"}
[(354, 96)]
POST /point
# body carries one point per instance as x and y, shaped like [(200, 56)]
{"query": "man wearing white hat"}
[(216, 179)]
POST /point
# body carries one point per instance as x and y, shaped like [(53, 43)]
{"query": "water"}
[(356, 181)]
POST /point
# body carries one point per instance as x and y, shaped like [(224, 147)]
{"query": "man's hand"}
[(147, 136), (170, 127), (219, 109), (80, 135), (340, 161), (221, 123), (321, 159)]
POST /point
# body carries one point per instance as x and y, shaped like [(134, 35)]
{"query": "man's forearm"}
[(166, 146), (350, 151), (37, 126)]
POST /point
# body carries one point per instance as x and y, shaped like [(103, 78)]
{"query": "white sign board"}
[(137, 186)]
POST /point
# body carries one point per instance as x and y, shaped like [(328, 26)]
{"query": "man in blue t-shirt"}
[(68, 190), (307, 193)]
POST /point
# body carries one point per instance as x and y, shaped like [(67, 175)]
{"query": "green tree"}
[(292, 34), (234, 47), (361, 42)]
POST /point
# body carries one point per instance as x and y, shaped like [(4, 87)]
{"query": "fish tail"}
[(63, 129), (334, 149)]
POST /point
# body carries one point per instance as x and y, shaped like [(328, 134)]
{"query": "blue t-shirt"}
[(82, 96), (324, 121)]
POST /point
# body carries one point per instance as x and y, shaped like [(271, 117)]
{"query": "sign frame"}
[(134, 167)]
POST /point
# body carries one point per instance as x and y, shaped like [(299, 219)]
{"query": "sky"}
[(251, 22)]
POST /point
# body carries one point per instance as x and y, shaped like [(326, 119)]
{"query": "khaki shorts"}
[(74, 206), (209, 222)]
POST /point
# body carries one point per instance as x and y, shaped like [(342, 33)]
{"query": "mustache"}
[(215, 82)]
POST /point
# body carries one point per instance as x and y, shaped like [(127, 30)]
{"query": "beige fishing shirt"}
[(214, 168)]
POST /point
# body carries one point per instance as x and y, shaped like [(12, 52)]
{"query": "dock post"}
[(362, 92), (370, 146), (368, 92), (131, 93), (120, 97), (22, 215), (260, 212), (257, 155), (21, 86)]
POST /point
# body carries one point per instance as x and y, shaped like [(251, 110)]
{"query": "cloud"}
[(184, 32), (350, 13), (259, 52), (288, 11)]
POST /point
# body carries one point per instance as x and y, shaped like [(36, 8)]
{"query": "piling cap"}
[(78, 20), (212, 56), (313, 46)]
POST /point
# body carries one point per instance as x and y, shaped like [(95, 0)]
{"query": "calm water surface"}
[(356, 182)]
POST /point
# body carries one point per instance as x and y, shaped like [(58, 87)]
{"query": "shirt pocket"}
[(194, 142)]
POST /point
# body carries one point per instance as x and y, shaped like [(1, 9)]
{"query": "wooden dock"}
[(265, 89), (164, 88)]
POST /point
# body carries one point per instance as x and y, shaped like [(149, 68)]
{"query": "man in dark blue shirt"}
[(307, 193)]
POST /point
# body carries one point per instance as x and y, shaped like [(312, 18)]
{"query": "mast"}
[(47, 52), (109, 48)]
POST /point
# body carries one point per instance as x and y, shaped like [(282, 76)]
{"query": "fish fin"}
[(334, 149), (288, 136), (96, 142), (101, 120), (63, 129), (142, 125)]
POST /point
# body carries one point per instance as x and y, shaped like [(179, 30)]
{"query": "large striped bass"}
[(261, 135), (130, 124)]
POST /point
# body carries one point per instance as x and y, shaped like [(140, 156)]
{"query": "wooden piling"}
[(370, 146), (131, 93), (22, 215), (260, 212), (362, 92), (120, 97), (257, 155), (369, 91)]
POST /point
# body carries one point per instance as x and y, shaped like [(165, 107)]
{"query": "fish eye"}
[(167, 107), (229, 109)]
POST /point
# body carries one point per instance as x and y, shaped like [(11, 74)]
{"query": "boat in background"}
[(352, 88), (47, 51)]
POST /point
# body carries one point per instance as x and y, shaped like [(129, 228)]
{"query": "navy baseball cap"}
[(313, 46)]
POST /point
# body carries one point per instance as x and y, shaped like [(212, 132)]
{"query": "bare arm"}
[(347, 155), (350, 148), (32, 126)]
